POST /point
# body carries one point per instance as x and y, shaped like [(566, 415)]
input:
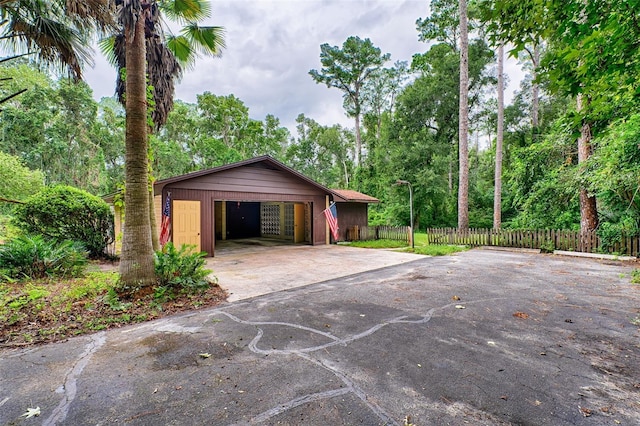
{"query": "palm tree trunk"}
[(463, 128), (497, 194), (136, 262)]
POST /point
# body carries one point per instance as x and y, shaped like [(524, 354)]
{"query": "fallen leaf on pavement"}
[(456, 298), (522, 315), (585, 411), (205, 355), (459, 307), (31, 412)]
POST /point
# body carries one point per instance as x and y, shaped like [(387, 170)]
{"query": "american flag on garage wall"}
[(165, 230), (332, 218)]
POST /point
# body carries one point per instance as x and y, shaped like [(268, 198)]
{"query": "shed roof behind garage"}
[(352, 196)]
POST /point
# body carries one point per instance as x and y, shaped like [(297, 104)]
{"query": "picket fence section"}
[(546, 240), (381, 232)]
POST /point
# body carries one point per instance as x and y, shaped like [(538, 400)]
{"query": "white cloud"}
[(272, 45)]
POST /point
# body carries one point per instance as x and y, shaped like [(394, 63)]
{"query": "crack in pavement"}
[(351, 387), (69, 386)]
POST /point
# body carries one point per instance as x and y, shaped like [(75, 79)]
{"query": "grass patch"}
[(421, 246), (377, 244), (439, 250)]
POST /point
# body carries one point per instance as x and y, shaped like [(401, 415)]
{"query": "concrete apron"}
[(257, 270)]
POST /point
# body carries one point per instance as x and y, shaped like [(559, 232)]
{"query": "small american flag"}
[(332, 218), (165, 230)]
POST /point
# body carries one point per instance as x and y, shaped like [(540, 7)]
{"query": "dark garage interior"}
[(243, 220)]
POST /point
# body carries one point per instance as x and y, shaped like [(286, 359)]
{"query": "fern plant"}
[(33, 257), (182, 268)]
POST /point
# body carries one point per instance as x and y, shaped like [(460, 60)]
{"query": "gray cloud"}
[(272, 45)]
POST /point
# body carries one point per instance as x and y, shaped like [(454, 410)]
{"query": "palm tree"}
[(143, 51), (55, 32)]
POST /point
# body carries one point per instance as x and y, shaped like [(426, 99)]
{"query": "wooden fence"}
[(367, 233), (546, 240)]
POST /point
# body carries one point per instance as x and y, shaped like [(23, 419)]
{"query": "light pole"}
[(406, 182)]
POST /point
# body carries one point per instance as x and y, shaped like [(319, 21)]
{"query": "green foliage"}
[(112, 300), (543, 182), (66, 213), (32, 257), (181, 269), (635, 276), (18, 182), (7, 229), (323, 153), (613, 171), (613, 233), (53, 127), (547, 246), (347, 68)]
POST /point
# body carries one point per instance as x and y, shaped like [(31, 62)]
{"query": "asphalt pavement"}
[(477, 338)]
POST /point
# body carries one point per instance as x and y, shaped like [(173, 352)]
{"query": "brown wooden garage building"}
[(255, 198)]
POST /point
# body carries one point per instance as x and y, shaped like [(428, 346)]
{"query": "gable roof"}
[(339, 195), (265, 160)]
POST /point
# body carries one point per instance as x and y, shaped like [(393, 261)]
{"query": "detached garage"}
[(256, 198)]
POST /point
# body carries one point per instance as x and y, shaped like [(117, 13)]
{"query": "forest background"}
[(583, 72)]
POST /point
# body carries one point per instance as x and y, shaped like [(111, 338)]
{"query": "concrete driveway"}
[(479, 338), (253, 270)]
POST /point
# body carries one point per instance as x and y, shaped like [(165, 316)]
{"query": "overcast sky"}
[(272, 45)]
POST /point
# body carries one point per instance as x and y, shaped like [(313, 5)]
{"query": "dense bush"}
[(34, 257), (67, 213), (181, 268), (18, 182)]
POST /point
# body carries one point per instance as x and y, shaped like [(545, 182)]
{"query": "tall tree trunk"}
[(535, 90), (450, 175), (358, 140), (588, 206), (497, 194), (136, 262), (463, 127)]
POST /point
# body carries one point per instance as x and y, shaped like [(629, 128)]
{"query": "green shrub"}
[(182, 268), (34, 257), (613, 233), (67, 213)]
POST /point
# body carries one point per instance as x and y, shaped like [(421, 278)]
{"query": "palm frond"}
[(208, 40), (181, 49), (107, 47), (89, 14), (183, 11)]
